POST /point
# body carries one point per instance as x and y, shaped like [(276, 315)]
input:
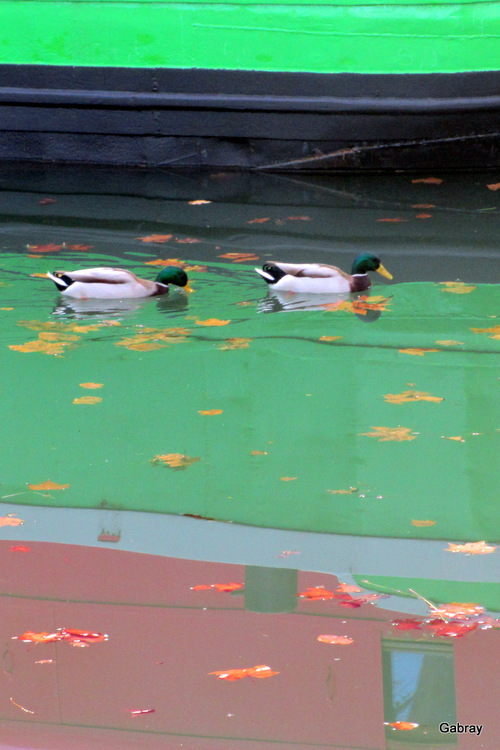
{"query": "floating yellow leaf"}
[(406, 396), (90, 385), (329, 338), (10, 521), (212, 322), (457, 438), (211, 412), (41, 345), (423, 523), (418, 351), (288, 479), (149, 339), (258, 453), (342, 492), (87, 400), (449, 342), (6, 308), (384, 434), (48, 485), (457, 287), (235, 343), (175, 460), (336, 640), (494, 330), (471, 548), (158, 238)]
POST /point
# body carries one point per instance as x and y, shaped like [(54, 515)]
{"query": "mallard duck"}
[(116, 283), (321, 278)]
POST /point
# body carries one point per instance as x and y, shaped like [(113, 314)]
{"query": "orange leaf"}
[(318, 593), (336, 640), (239, 257), (10, 521), (471, 548), (257, 221), (395, 220), (493, 186), (402, 725), (418, 351), (329, 338), (50, 248), (423, 205), (87, 400), (494, 330), (384, 434), (20, 548), (460, 610), (210, 412), (236, 343), (48, 485), (423, 523), (177, 461), (423, 216), (212, 322), (186, 240), (158, 238), (77, 248), (200, 202), (298, 218), (261, 671), (90, 385), (428, 180), (30, 637), (406, 396)]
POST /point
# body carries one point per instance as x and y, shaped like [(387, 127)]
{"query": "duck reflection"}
[(89, 308), (276, 301)]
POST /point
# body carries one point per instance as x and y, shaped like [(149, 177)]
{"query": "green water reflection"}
[(301, 386)]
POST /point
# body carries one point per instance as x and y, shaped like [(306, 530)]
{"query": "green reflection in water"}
[(295, 409)]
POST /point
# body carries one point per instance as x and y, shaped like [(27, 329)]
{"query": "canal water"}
[(239, 518)]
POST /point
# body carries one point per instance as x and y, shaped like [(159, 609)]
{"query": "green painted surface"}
[(302, 403), (323, 37)]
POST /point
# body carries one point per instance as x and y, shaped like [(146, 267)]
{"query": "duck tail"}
[(61, 281)]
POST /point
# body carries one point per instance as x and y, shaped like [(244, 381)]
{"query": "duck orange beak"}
[(190, 289), (384, 272)]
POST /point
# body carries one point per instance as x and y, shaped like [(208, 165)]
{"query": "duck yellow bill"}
[(188, 288), (384, 272)]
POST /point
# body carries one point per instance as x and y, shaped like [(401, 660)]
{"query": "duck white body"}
[(109, 283), (320, 278)]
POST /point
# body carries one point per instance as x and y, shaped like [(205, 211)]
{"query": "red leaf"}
[(50, 248), (407, 624), (428, 180), (451, 629), (20, 548)]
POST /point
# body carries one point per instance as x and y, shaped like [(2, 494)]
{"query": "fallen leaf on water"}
[(44, 346), (471, 548), (408, 624), (77, 248), (401, 725), (258, 221), (186, 240), (260, 671), (239, 257), (415, 522), (87, 400), (423, 216), (212, 322), (348, 588), (177, 461), (318, 593), (224, 587), (384, 434), (48, 485), (141, 711), (450, 629), (10, 521), (493, 186), (20, 548), (199, 202), (460, 610), (158, 238), (235, 343), (149, 339), (418, 351), (210, 412), (424, 205), (428, 180), (329, 338), (47, 201), (288, 479), (495, 330), (74, 637), (298, 218), (456, 438), (91, 385), (395, 220), (457, 287), (449, 342), (258, 453), (360, 306), (165, 262), (6, 308), (336, 640), (45, 661), (350, 491), (406, 396), (50, 248)]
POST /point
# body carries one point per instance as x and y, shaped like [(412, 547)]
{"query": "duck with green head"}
[(321, 278), (116, 283)]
